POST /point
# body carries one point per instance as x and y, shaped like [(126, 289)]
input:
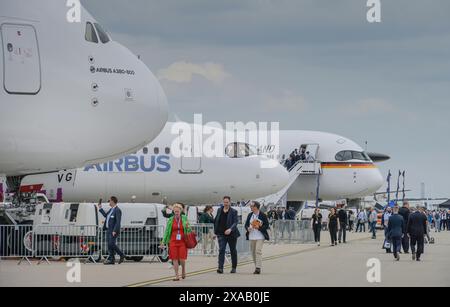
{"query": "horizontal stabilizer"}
[(378, 157)]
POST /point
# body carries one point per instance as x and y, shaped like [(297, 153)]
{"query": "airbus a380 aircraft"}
[(156, 174), (69, 94)]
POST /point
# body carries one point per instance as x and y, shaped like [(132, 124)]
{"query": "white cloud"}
[(183, 72)]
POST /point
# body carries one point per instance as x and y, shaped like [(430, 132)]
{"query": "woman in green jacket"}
[(174, 237)]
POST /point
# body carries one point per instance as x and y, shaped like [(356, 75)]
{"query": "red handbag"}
[(191, 240)]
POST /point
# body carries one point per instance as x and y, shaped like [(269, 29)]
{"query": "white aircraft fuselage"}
[(69, 94), (155, 174)]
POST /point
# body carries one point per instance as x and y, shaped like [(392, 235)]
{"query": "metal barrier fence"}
[(208, 245), (291, 232), (16, 241), (91, 242), (69, 241), (137, 243)]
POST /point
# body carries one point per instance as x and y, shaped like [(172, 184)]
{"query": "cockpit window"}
[(90, 35), (240, 150), (104, 37), (352, 155)]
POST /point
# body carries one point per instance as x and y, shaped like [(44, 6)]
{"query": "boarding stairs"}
[(299, 169)]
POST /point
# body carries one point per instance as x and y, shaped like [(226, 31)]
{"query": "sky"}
[(308, 64)]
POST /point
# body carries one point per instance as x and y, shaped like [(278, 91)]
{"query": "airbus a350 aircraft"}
[(69, 94), (156, 174), (344, 169), (153, 174)]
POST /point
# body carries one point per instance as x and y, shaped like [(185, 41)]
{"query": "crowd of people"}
[(404, 228), (225, 231), (298, 155), (439, 220), (339, 222)]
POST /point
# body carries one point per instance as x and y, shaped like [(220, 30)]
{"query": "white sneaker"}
[(318, 244)]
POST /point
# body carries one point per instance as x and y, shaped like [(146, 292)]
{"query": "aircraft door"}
[(21, 58), (311, 165), (191, 158), (313, 150)]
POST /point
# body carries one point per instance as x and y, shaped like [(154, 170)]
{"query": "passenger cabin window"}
[(90, 35), (167, 151), (348, 155), (156, 151), (145, 150), (240, 150), (104, 37)]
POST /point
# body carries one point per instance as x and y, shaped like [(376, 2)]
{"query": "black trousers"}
[(350, 226), (405, 243), (317, 229), (232, 242), (360, 226), (396, 245), (419, 241), (113, 248), (343, 233), (333, 233)]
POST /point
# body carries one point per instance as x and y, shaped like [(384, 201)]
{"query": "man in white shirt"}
[(257, 225), (361, 221)]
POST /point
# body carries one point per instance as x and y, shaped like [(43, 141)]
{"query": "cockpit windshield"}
[(348, 155), (240, 150), (104, 37), (90, 34)]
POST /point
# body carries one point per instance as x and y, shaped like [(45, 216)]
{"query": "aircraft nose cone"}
[(378, 180)]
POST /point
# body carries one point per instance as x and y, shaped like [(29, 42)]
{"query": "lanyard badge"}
[(179, 229)]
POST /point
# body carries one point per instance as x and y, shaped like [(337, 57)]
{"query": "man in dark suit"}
[(343, 222), (405, 212), (112, 228), (417, 228), (225, 228), (395, 231)]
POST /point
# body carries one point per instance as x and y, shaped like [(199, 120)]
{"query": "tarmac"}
[(289, 265)]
